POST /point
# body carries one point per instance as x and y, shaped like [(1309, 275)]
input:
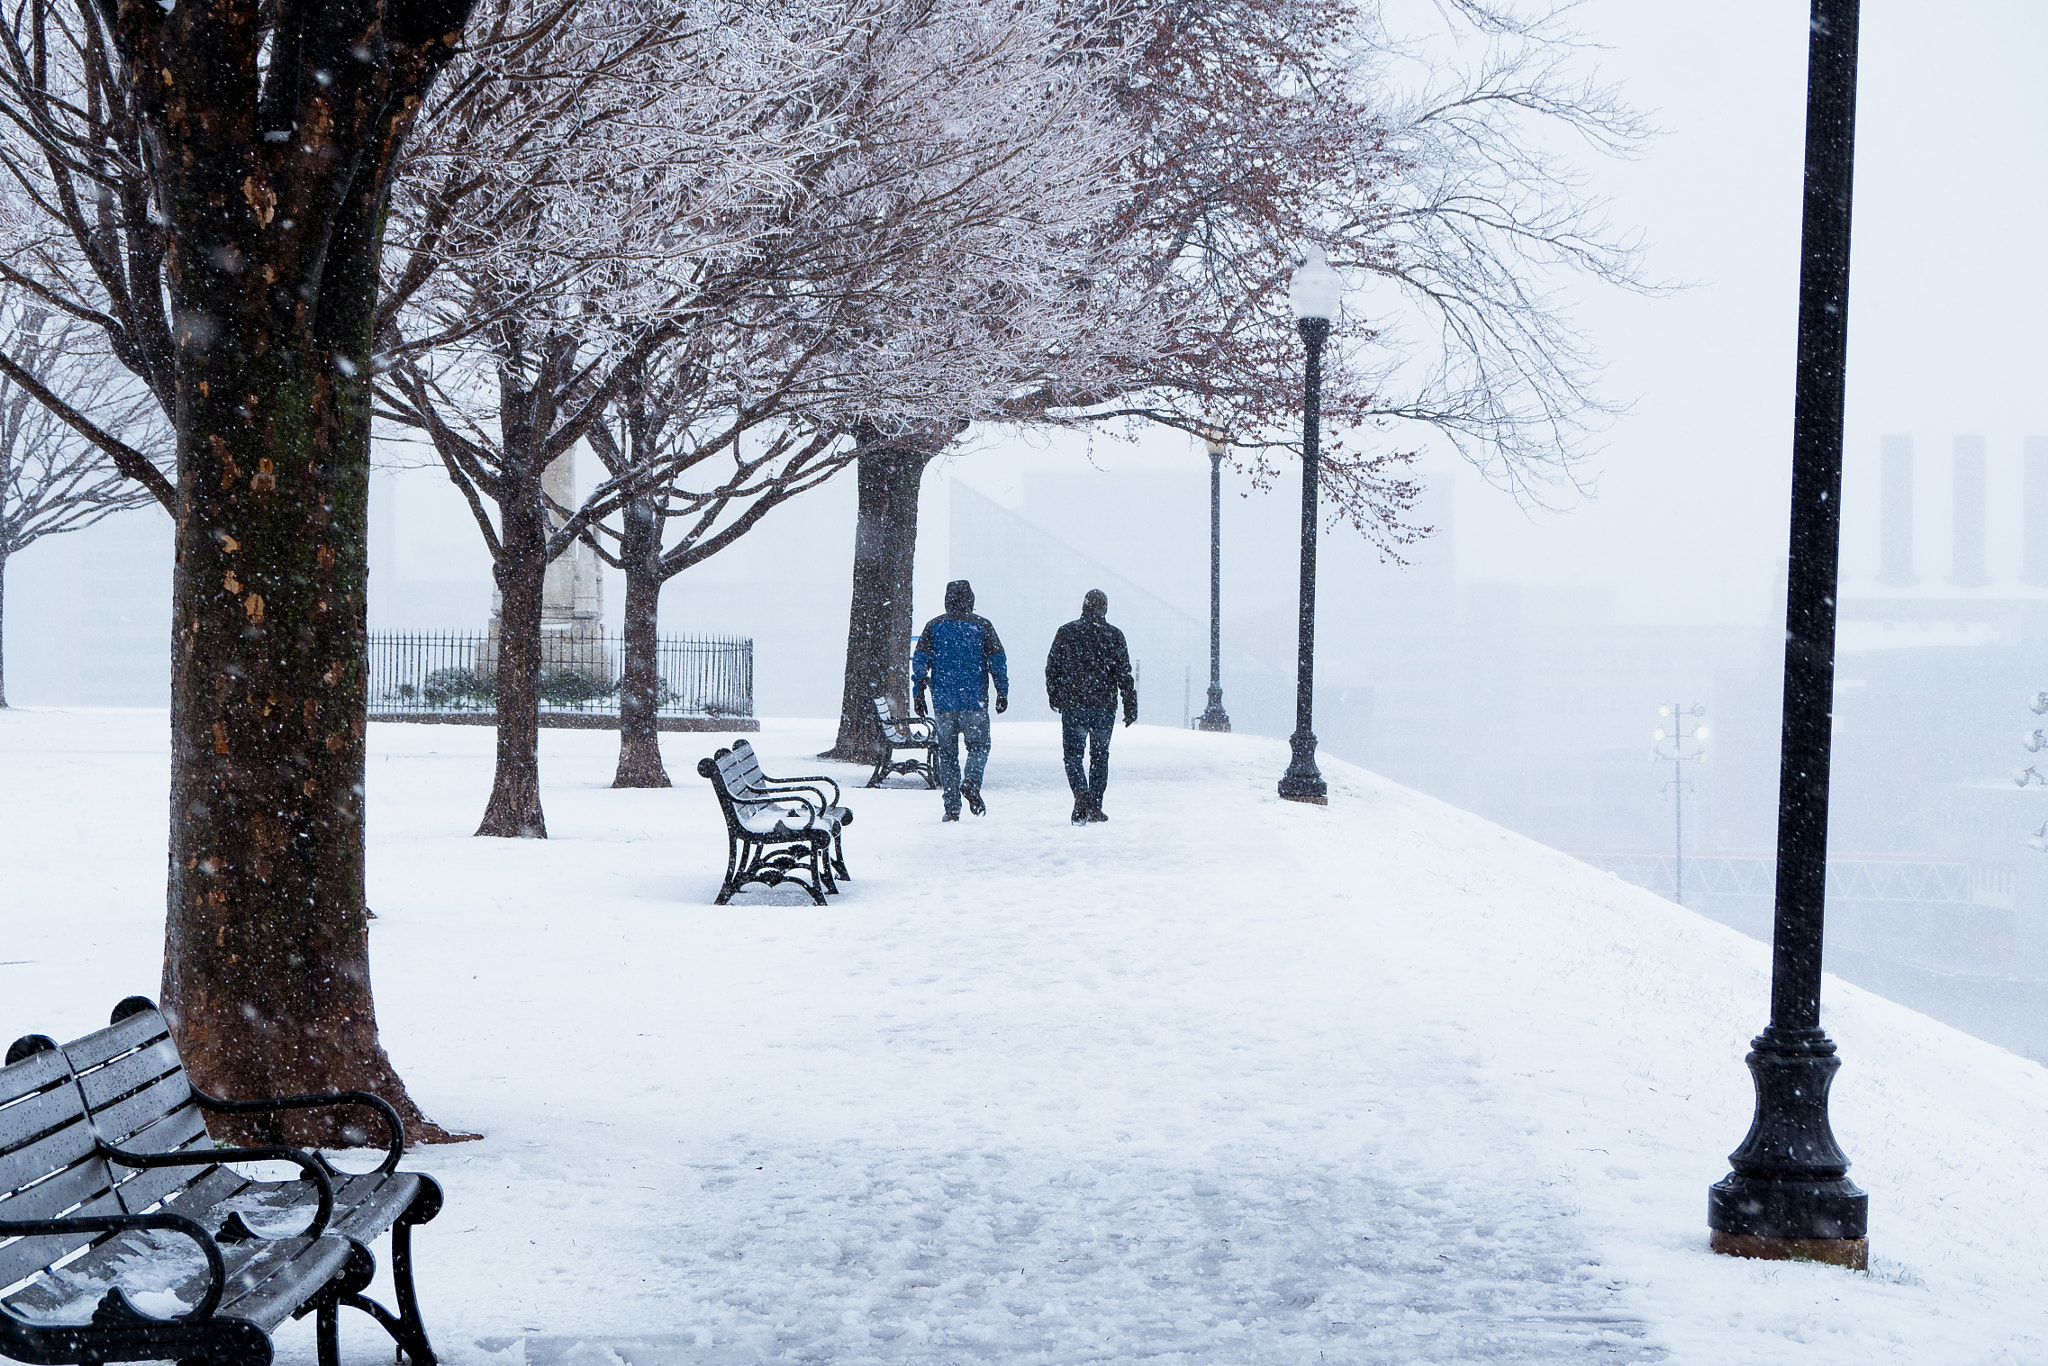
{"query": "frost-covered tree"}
[(206, 182), (586, 191), (892, 212), (52, 480), (950, 255), (1432, 167)]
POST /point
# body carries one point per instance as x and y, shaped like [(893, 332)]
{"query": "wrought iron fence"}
[(453, 672)]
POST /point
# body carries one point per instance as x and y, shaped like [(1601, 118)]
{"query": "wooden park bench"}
[(893, 732), (777, 829), (133, 1242)]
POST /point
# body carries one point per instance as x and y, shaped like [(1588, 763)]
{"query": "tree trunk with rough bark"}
[(639, 732), (272, 275), (514, 810), (879, 623)]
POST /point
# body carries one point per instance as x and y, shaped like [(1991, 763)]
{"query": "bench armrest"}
[(813, 811), (122, 1223), (808, 780), (316, 1169), (394, 1126), (915, 730), (778, 789)]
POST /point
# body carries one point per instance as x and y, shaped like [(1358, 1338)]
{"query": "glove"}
[(1002, 703), (923, 707), (1130, 719)]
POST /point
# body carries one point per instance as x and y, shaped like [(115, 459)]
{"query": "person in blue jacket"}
[(956, 656)]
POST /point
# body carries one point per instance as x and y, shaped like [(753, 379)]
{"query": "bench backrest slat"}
[(141, 1188), (107, 1084), (24, 1257), (885, 710), (122, 1120), (36, 1072), (30, 1117), (104, 1045), (48, 1161), (732, 773), (141, 1101)]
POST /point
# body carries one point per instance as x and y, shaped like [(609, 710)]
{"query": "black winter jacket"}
[(1088, 666)]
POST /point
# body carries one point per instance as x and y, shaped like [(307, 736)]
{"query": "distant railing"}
[(455, 673)]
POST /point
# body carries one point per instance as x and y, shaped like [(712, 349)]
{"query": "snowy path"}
[(1226, 1080)]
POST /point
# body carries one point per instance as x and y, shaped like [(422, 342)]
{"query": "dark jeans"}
[(1092, 727), (952, 728)]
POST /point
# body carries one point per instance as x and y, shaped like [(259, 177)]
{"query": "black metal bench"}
[(103, 1148), (893, 733), (777, 829)]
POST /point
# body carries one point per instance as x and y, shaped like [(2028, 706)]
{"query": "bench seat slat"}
[(104, 1084), (267, 1291), (266, 1281), (364, 1206)]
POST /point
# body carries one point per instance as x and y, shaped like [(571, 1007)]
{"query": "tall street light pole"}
[(1314, 294), (1788, 1194), (1215, 718), (1674, 715)]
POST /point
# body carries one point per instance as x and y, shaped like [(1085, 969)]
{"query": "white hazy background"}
[(1680, 536)]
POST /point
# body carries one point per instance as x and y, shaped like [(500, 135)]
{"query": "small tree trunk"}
[(514, 811), (639, 733), (879, 620)]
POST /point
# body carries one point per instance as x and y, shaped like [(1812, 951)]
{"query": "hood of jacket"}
[(959, 596)]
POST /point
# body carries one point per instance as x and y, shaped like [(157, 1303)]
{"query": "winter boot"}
[(950, 816), (1095, 813), (974, 801), (1081, 808)]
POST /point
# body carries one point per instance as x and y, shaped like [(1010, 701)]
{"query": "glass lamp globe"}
[(1316, 289)]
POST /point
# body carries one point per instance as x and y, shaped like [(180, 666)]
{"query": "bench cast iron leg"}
[(414, 1336), (405, 1326)]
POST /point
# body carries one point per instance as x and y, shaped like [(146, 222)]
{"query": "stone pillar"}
[(572, 598)]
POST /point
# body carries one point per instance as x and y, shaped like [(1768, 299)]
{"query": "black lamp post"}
[(1314, 294), (1215, 718), (1788, 1194)]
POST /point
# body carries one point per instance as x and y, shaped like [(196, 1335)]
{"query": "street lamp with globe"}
[(1315, 293)]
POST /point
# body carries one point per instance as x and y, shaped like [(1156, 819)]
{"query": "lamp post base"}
[(1853, 1253), (1302, 782), (1215, 718), (1789, 1194)]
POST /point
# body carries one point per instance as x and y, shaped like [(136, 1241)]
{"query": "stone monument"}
[(572, 599)]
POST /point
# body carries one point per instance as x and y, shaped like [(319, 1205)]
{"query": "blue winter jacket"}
[(958, 653)]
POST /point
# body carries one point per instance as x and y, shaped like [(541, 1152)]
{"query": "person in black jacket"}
[(1088, 667)]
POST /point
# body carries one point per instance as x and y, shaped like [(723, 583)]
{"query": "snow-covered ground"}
[(1225, 1080)]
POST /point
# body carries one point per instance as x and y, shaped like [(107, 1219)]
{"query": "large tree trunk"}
[(267, 964), (639, 732), (514, 810), (879, 623)]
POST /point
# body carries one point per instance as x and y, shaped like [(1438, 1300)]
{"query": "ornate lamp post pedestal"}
[(1215, 718), (1787, 1193)]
